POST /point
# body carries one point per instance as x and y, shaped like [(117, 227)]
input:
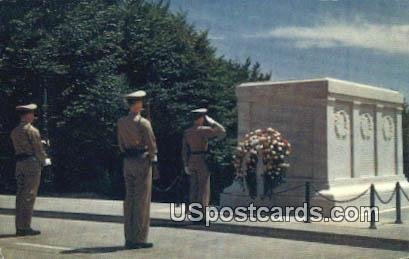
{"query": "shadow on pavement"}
[(95, 250), (294, 234), (69, 215), (270, 231), (7, 236)]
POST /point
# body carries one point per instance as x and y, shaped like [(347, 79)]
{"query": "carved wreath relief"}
[(341, 122), (388, 128), (367, 126)]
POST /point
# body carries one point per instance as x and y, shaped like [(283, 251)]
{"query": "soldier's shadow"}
[(7, 236), (95, 250)]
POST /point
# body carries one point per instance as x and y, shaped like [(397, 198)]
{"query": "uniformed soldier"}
[(194, 149), (30, 159), (138, 146)]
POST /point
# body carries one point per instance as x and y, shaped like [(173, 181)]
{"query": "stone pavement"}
[(388, 236), (63, 238)]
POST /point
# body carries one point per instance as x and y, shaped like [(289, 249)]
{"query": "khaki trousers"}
[(28, 176), (138, 183), (199, 182)]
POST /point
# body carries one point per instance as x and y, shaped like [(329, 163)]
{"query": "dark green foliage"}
[(87, 54)]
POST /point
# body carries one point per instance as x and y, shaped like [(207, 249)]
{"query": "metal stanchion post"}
[(398, 204), (307, 201), (372, 207)]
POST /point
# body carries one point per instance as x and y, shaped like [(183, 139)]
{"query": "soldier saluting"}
[(30, 159), (138, 146), (194, 149)]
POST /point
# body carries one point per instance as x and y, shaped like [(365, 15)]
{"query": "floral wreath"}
[(273, 150)]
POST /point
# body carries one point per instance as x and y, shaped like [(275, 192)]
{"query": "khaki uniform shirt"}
[(196, 139), (27, 140), (135, 132)]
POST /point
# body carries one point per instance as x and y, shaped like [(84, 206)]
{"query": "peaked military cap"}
[(27, 107), (200, 111), (138, 95), (197, 113)]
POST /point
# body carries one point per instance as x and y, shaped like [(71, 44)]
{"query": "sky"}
[(364, 41)]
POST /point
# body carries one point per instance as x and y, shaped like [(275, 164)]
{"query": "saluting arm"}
[(218, 131)]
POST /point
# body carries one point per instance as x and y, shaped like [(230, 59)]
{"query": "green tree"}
[(87, 54)]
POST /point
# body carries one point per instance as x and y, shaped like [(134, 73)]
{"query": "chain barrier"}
[(342, 201), (170, 187), (404, 194), (389, 200)]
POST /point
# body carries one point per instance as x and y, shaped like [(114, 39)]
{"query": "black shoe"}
[(144, 245), (27, 232), (130, 245)]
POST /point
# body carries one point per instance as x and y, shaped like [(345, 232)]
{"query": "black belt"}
[(134, 152), (21, 157)]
